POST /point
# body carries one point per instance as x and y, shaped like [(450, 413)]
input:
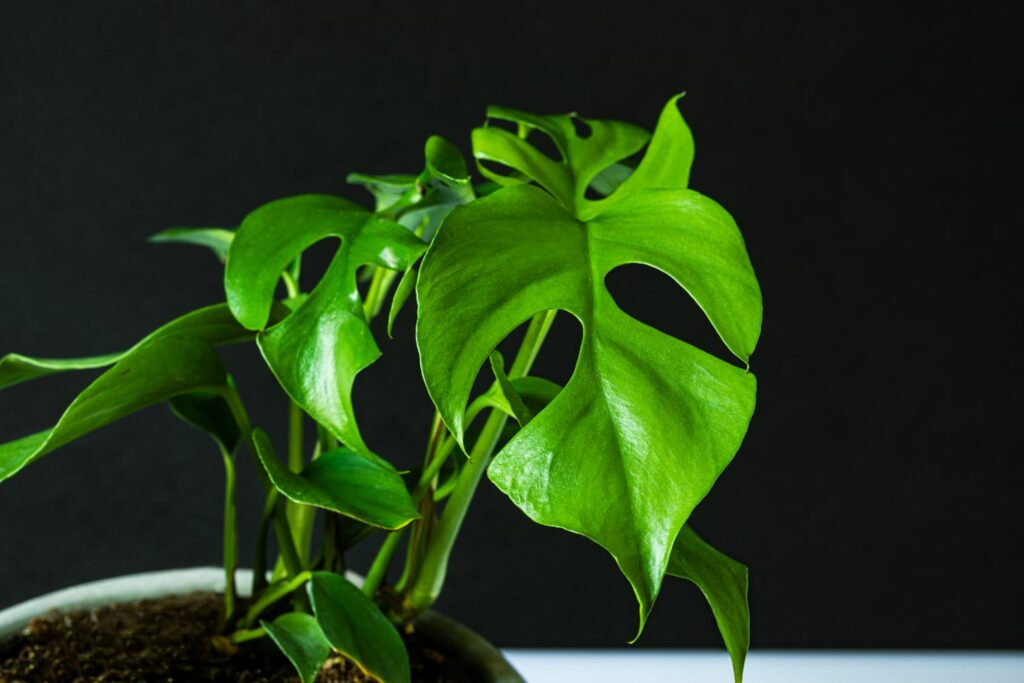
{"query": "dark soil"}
[(170, 640)]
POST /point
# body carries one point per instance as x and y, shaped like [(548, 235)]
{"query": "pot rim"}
[(484, 659)]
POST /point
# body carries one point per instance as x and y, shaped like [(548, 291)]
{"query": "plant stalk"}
[(431, 576)]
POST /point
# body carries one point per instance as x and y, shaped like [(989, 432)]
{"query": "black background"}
[(870, 153)]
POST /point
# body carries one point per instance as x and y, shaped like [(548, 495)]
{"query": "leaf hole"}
[(612, 176), (582, 128), (546, 145), (655, 299)]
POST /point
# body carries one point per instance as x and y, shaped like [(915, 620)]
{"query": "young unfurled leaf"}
[(345, 482), (406, 286), (213, 324), (156, 371), (317, 351), (217, 240), (516, 406), (302, 642), (645, 418), (723, 582), (355, 626)]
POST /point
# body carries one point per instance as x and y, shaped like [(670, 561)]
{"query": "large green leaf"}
[(156, 371), (302, 642), (317, 351), (723, 582), (356, 627), (345, 482), (213, 324), (646, 419)]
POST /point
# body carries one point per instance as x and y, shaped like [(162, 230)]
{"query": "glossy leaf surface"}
[(723, 582), (345, 482), (300, 639), (646, 419), (159, 370), (217, 240), (317, 351), (355, 626)]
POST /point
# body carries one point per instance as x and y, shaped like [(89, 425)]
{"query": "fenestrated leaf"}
[(723, 582), (345, 482), (159, 370), (217, 240), (647, 419), (213, 324), (209, 412), (318, 350), (355, 627), (300, 639)]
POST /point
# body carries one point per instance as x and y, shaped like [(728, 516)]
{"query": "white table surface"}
[(638, 666)]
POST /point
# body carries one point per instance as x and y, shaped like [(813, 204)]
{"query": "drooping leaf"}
[(217, 240), (356, 627), (723, 582), (647, 419), (345, 482), (15, 368), (213, 324), (317, 351), (300, 639), (158, 370)]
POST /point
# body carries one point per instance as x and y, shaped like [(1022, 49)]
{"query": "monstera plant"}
[(647, 420)]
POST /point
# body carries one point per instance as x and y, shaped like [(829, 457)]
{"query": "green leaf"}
[(302, 642), (317, 351), (444, 161), (159, 370), (647, 419), (345, 482), (723, 582), (15, 368), (583, 158), (218, 240), (208, 412), (387, 190), (355, 627), (213, 324), (516, 406), (406, 286)]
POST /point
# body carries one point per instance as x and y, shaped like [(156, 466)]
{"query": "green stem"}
[(230, 535), (272, 595), (300, 517), (427, 587), (259, 564), (280, 520), (379, 568)]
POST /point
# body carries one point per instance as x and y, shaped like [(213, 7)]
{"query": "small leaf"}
[(345, 482), (406, 286), (157, 371), (724, 583), (444, 161), (317, 351), (210, 413), (356, 627), (217, 240), (213, 324), (301, 641), (516, 406)]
